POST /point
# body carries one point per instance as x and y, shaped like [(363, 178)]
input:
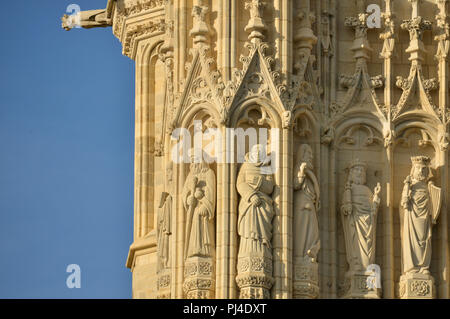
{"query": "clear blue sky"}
[(67, 154)]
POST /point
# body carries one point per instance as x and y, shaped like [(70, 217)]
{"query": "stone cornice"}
[(135, 32), (140, 245), (134, 19)]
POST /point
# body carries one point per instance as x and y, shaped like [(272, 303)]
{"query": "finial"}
[(200, 30), (256, 25), (416, 26)]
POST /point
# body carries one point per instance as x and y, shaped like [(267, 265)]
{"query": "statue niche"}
[(255, 185), (306, 227)]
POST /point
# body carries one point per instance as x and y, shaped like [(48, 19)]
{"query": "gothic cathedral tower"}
[(288, 148)]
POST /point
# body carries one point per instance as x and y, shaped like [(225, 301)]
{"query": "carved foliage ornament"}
[(122, 12), (149, 28), (416, 26)]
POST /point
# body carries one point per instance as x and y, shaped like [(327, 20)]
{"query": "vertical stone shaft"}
[(443, 40), (333, 236), (387, 274), (387, 53)]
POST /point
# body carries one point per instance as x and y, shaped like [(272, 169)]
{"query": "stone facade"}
[(362, 159)]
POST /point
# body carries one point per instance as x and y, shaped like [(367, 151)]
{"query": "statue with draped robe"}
[(164, 230), (306, 205), (199, 201), (420, 206), (255, 185), (359, 218)]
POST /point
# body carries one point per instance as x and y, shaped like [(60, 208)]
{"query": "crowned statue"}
[(420, 207), (419, 210)]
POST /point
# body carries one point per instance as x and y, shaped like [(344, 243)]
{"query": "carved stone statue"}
[(420, 207), (255, 208), (359, 216), (359, 219), (306, 204), (163, 246), (306, 227), (199, 200), (255, 184), (164, 230)]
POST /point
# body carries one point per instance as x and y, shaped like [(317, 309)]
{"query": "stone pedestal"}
[(417, 286), (163, 284), (254, 277), (361, 285), (306, 278), (199, 280)]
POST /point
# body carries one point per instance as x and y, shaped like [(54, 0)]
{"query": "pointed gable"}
[(203, 84)]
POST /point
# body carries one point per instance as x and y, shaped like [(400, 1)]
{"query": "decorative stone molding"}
[(254, 277), (417, 286), (257, 77), (416, 92), (164, 284), (126, 9), (328, 135), (358, 285), (150, 28), (166, 55), (306, 279), (388, 35), (443, 38), (361, 86), (199, 282), (142, 5), (372, 136), (204, 84)]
